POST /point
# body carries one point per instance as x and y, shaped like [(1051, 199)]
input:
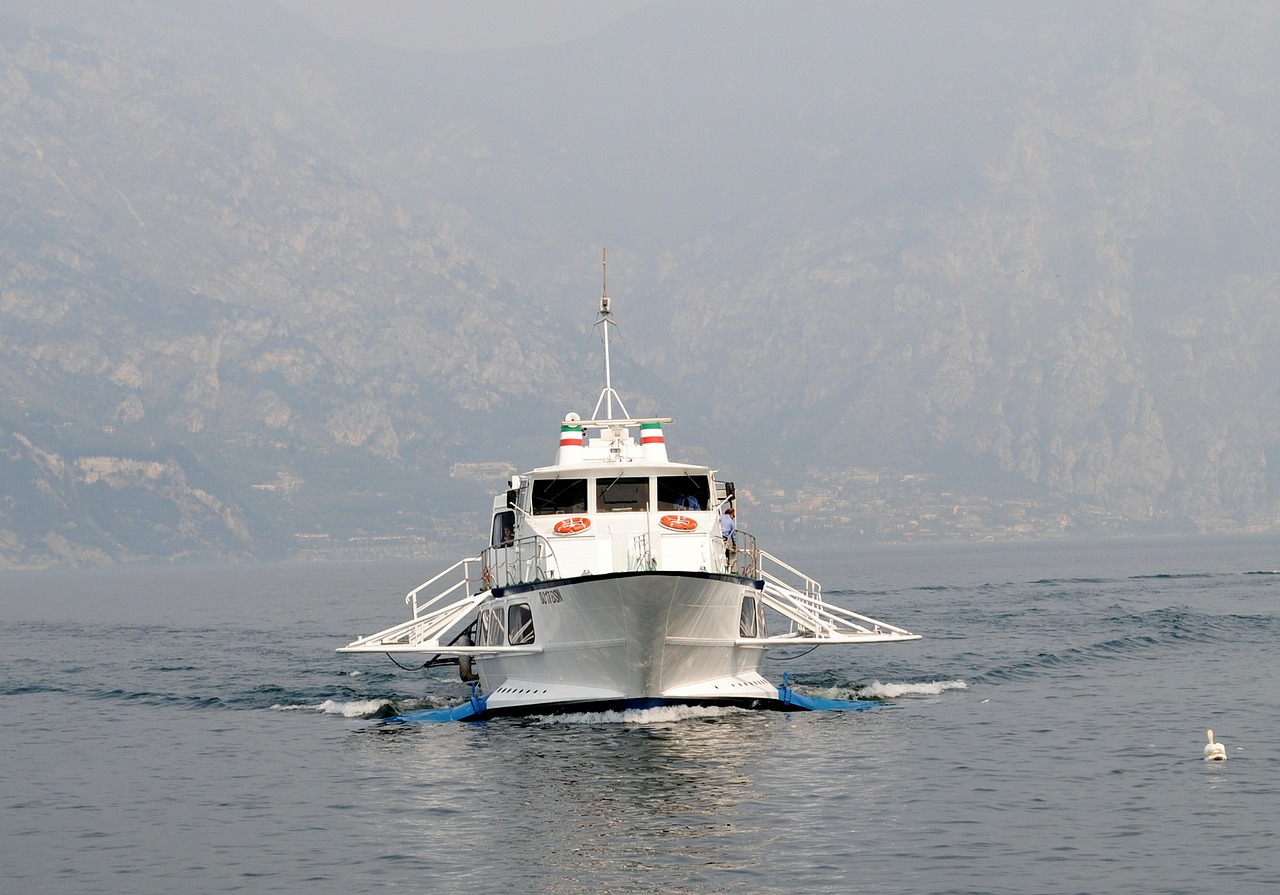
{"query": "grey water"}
[(193, 730)]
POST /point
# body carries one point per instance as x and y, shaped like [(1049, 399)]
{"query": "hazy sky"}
[(459, 25)]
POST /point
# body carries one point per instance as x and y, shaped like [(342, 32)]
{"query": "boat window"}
[(751, 617), (519, 624), (490, 630), (504, 529), (683, 492), (622, 494), (559, 496)]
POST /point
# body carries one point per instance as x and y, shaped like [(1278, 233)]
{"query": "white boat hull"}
[(628, 638)]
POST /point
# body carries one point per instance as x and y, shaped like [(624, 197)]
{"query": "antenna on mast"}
[(604, 282), (606, 317)]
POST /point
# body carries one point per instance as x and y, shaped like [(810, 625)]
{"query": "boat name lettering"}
[(550, 596)]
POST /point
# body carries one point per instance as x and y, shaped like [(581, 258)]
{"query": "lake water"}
[(187, 730)]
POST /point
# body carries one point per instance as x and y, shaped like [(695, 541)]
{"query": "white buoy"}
[(1214, 751)]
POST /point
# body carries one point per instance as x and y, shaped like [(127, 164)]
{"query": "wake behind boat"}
[(616, 578)]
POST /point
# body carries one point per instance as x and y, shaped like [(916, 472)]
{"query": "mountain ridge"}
[(1038, 246)]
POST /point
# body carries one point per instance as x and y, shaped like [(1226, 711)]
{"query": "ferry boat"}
[(617, 578)]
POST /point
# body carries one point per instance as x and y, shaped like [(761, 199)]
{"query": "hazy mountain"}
[(258, 282)]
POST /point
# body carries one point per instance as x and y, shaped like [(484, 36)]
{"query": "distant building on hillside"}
[(492, 471)]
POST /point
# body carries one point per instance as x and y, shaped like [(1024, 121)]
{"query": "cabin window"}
[(747, 617), (751, 617), (622, 494), (490, 630), (504, 529), (683, 492), (519, 624), (551, 496)]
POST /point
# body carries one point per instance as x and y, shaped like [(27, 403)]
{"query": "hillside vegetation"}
[(262, 286)]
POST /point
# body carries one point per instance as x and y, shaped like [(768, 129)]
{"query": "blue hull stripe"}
[(475, 709)]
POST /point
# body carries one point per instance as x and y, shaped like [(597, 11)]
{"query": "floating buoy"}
[(678, 523), (1214, 751)]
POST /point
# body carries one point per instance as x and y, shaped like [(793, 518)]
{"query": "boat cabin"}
[(612, 502)]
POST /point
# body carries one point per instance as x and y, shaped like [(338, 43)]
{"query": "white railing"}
[(804, 585), (787, 591), (528, 559), (469, 577), (640, 556), (432, 618), (742, 555), (810, 616)]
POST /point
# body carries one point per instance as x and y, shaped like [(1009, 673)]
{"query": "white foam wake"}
[(879, 690), (356, 708), (663, 714)]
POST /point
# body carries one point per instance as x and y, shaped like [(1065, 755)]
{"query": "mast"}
[(608, 395), (607, 320)]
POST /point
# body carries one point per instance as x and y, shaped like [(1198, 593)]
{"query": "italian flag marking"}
[(651, 433), (570, 436)]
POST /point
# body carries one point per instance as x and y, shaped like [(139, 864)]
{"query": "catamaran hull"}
[(477, 709), (633, 638)]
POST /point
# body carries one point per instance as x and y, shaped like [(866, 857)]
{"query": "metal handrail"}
[(530, 558), (430, 618), (808, 612), (640, 556), (743, 557), (812, 589), (411, 597)]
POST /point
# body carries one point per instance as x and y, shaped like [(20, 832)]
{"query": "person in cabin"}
[(688, 502)]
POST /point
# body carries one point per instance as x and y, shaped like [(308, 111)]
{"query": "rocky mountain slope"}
[(259, 284)]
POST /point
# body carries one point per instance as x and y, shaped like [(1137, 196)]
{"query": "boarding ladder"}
[(798, 598), (436, 621), (439, 621)]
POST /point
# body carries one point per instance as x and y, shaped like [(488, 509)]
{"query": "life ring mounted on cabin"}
[(572, 525), (676, 522)]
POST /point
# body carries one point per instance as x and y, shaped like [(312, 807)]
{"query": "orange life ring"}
[(572, 525), (678, 523)]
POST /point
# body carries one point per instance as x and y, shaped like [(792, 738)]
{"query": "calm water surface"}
[(193, 731)]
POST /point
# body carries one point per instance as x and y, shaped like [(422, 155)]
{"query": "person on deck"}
[(729, 531)]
